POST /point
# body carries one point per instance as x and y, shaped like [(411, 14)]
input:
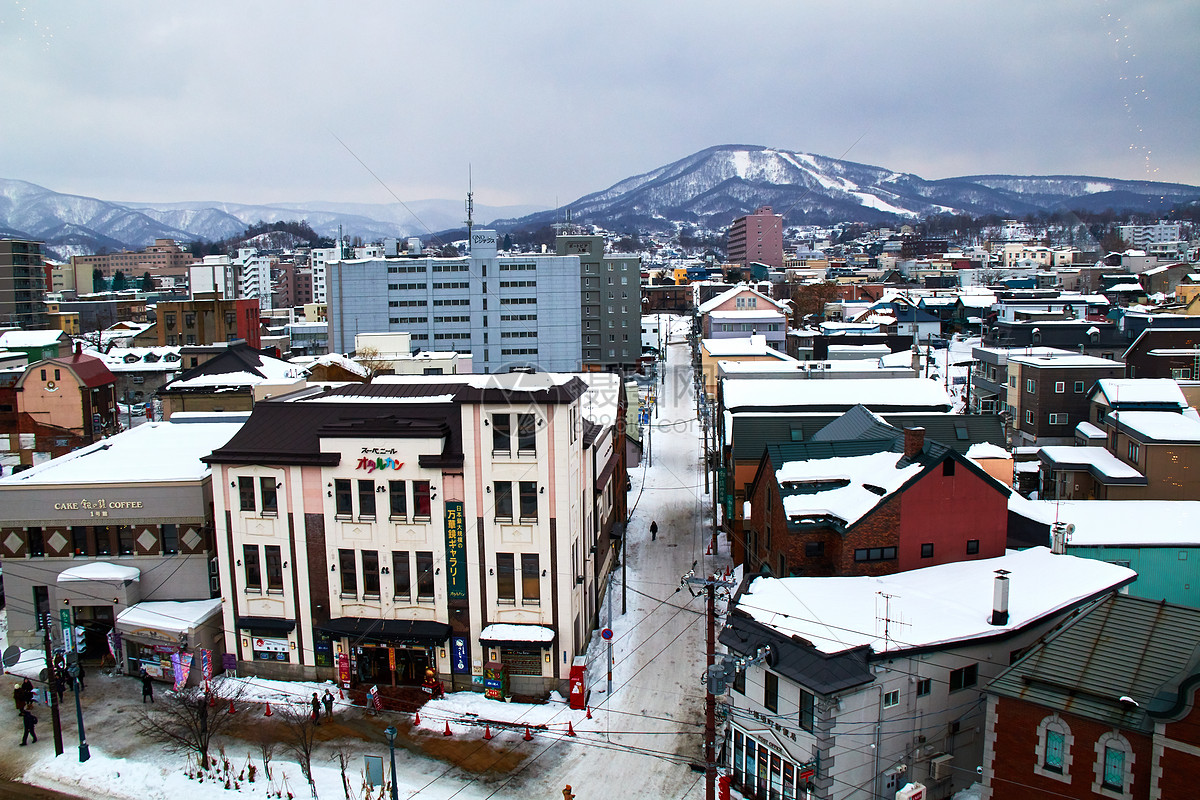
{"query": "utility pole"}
[(715, 687), (51, 674)]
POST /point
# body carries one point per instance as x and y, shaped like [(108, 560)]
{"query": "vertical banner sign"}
[(185, 666), (177, 671), (456, 551), (458, 655), (206, 664), (64, 617), (343, 662), (392, 659)]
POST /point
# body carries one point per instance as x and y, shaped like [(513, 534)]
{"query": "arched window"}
[(1054, 749), (1114, 766)]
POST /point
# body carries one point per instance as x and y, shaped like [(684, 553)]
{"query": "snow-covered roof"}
[(100, 571), (987, 450), (847, 478), (1160, 426), (14, 339), (151, 452), (1097, 459), (142, 359), (730, 294), (1111, 523), (1142, 390), (501, 632), (1089, 431), (1063, 361), (748, 314), (875, 393), (174, 616), (1136, 288), (940, 605), (600, 402), (755, 345), (239, 378), (331, 359)]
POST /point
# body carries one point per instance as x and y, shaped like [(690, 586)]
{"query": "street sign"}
[(606, 634)]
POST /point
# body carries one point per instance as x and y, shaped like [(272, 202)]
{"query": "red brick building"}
[(1104, 707), (886, 501)]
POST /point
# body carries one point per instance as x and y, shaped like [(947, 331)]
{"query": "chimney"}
[(78, 348), (1000, 599), (914, 440)]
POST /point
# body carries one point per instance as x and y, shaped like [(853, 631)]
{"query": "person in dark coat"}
[(147, 686), (316, 709), (60, 685), (328, 701), (653, 531), (30, 723), (27, 687)]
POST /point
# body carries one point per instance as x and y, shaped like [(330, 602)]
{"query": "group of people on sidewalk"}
[(316, 707), (24, 700)]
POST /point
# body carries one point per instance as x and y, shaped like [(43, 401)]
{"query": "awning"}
[(100, 571), (412, 630), (520, 635), (272, 624)]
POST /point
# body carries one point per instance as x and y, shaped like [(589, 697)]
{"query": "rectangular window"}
[(370, 567), (37, 544), (504, 500), (1028, 417), (529, 505), (349, 572), (948, 467), (1054, 751), (1058, 419), (927, 550), (125, 540), (398, 499), (253, 571), (401, 577), (270, 498), (963, 678), (1078, 387), (343, 497), (79, 540), (972, 547), (366, 499), (875, 554), (526, 434), (924, 687), (771, 691), (1060, 387), (274, 559), (1114, 769), (421, 499), (424, 576), (891, 699), (531, 579), (739, 681), (1134, 451), (807, 707), (814, 549), (506, 584), (246, 493), (501, 433)]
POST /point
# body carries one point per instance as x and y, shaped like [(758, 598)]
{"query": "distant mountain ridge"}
[(710, 189)]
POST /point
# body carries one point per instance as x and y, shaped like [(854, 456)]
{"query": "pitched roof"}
[(1124, 647), (90, 370)]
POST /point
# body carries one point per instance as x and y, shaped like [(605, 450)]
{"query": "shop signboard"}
[(458, 655), (343, 662), (64, 617), (456, 555)]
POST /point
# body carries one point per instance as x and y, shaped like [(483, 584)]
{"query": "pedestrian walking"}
[(147, 686), (80, 675), (30, 722), (328, 700), (316, 709), (653, 531), (60, 686), (19, 698)]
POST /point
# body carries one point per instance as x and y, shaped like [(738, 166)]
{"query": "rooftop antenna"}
[(887, 618), (470, 205)]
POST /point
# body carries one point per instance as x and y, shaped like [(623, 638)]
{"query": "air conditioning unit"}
[(940, 766)]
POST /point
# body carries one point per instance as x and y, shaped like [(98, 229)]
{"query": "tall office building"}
[(757, 238), (22, 284), (610, 295)]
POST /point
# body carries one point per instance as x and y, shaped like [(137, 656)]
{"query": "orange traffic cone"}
[(268, 711), (447, 731), (417, 718), (232, 710), (589, 712), (212, 701), (487, 733), (340, 695), (570, 728), (528, 735)]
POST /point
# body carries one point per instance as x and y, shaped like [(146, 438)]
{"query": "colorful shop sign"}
[(456, 551)]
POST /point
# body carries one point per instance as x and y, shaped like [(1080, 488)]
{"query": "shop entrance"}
[(95, 622), (375, 664)]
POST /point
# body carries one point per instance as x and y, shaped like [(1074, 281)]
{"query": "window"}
[(927, 550), (529, 505), (421, 499), (1078, 387), (270, 496), (343, 499), (370, 567), (771, 691), (504, 500), (875, 554), (246, 493), (501, 433), (1060, 387), (1134, 451), (1029, 417), (964, 677), (398, 499), (1113, 769), (274, 559), (1181, 373), (526, 433), (814, 549), (531, 579), (924, 687), (1030, 385), (1052, 752), (972, 547), (401, 577), (506, 579), (79, 540), (349, 572), (891, 699), (253, 571), (424, 576), (1058, 419), (366, 499), (807, 706), (948, 467), (739, 681), (125, 540)]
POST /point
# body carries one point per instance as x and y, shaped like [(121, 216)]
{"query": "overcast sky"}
[(246, 101)]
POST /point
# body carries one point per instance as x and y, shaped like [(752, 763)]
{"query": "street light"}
[(390, 733)]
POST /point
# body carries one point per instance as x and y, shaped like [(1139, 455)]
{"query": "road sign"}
[(606, 634)]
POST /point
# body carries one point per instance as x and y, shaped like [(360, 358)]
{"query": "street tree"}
[(372, 360), (809, 300), (299, 738), (189, 720)]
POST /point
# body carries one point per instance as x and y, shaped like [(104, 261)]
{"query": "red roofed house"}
[(64, 403)]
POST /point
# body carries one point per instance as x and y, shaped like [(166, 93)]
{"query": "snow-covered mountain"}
[(713, 187)]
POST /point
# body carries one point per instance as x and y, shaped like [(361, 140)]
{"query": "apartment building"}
[(22, 285), (165, 258), (610, 302), (756, 238)]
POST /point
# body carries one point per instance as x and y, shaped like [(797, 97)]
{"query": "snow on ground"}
[(972, 792)]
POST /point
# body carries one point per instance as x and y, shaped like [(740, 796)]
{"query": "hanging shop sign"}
[(456, 555)]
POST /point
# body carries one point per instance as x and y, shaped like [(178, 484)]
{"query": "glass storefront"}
[(762, 773), (393, 665)]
